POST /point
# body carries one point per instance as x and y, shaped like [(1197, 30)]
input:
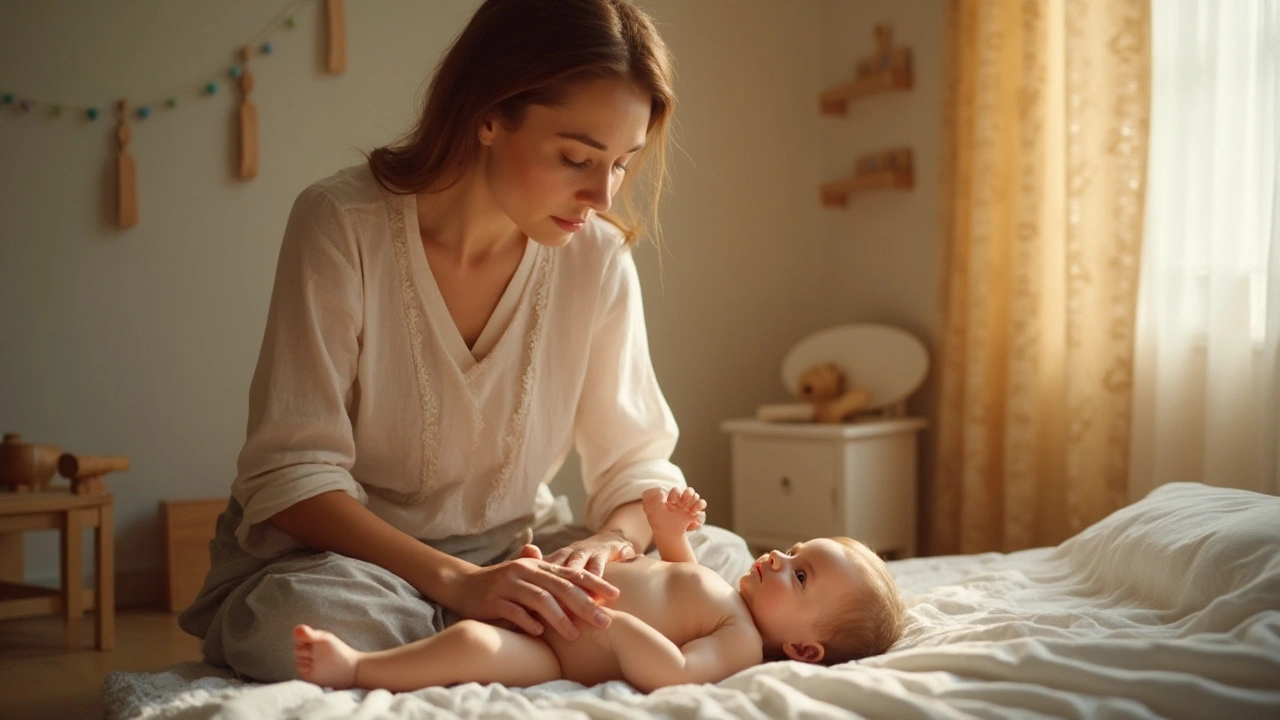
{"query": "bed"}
[(1167, 608)]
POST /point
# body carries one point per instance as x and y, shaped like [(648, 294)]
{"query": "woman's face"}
[(565, 162)]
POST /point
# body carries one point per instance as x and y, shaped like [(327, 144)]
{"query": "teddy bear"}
[(823, 387)]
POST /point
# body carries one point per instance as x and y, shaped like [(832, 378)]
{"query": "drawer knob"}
[(786, 485)]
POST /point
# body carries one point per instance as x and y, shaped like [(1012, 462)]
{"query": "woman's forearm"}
[(630, 522), (335, 521)]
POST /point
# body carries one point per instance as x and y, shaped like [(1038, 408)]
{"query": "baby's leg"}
[(470, 651)]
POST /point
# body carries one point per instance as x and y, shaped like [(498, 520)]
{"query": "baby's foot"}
[(323, 659)]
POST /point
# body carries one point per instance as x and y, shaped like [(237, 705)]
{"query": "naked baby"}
[(827, 600)]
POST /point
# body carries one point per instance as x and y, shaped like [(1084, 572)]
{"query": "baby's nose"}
[(776, 557)]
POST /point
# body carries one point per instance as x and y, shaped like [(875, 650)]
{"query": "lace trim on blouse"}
[(516, 432), (430, 465)]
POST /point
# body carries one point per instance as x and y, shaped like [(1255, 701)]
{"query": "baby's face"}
[(790, 593)]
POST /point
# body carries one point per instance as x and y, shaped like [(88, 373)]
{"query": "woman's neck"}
[(465, 222)]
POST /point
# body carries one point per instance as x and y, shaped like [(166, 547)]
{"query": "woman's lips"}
[(568, 225)]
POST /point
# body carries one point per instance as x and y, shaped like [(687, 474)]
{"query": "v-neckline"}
[(429, 292)]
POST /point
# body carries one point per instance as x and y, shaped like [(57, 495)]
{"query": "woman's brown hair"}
[(517, 53)]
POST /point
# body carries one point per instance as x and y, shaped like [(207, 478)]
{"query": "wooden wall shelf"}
[(887, 70), (891, 169)]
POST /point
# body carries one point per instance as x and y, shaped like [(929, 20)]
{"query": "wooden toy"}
[(25, 467), (86, 471)]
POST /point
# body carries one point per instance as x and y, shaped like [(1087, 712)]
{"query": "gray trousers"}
[(248, 606)]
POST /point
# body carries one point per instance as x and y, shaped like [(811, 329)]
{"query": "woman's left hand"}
[(591, 554)]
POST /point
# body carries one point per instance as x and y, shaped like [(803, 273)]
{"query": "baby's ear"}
[(804, 652)]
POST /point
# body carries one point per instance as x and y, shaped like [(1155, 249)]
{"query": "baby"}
[(827, 600)]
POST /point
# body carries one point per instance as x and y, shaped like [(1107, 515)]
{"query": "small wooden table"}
[(59, 509)]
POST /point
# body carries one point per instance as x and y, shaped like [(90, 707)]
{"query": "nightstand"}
[(797, 481)]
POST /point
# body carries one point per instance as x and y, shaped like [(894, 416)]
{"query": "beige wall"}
[(143, 342), (881, 259), (881, 256)]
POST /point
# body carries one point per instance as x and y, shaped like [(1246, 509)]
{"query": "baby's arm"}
[(671, 514), (649, 660)]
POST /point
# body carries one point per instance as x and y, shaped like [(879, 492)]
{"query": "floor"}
[(40, 678)]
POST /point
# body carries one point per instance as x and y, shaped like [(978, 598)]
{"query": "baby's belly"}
[(643, 589)]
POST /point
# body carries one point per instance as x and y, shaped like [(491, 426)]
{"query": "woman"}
[(448, 321)]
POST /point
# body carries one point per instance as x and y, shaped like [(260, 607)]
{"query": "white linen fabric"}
[(365, 385), (1167, 608)]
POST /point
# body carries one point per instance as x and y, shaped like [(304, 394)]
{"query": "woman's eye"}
[(800, 576), (564, 160)]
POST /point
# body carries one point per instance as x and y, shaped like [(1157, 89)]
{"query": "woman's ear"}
[(488, 128), (804, 652)]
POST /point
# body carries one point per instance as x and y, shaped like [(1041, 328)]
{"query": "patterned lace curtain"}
[(1042, 213), (1206, 391)]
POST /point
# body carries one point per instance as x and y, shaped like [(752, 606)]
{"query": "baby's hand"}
[(674, 511)]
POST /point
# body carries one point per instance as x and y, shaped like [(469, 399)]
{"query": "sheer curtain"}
[(1206, 378)]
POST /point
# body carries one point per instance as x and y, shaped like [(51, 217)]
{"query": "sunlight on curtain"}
[(1206, 392), (1042, 214)]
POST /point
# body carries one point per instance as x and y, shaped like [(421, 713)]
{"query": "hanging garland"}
[(126, 171)]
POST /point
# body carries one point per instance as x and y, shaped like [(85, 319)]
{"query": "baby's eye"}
[(800, 576)]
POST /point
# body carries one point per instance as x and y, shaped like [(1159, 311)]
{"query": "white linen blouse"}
[(365, 385)]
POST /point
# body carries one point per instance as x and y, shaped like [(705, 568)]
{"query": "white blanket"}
[(1167, 608)]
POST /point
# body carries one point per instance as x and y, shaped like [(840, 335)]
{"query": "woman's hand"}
[(593, 553), (528, 592)]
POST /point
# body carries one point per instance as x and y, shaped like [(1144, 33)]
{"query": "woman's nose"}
[(597, 194)]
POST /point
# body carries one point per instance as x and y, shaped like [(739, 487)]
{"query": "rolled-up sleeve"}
[(299, 440), (624, 430)]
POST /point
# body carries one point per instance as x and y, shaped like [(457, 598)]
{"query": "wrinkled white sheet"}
[(1167, 608)]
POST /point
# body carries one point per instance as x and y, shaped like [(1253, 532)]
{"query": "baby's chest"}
[(673, 600)]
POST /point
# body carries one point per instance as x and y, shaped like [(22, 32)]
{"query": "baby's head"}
[(828, 600)]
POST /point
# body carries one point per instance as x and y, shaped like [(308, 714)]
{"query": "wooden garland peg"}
[(884, 41), (248, 123), (85, 471), (126, 174), (337, 36)]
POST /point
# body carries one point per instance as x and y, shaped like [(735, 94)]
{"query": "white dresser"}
[(797, 481)]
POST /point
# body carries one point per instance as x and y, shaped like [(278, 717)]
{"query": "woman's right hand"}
[(528, 592)]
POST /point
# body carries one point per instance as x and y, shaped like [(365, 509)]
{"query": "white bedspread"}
[(1167, 608)]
